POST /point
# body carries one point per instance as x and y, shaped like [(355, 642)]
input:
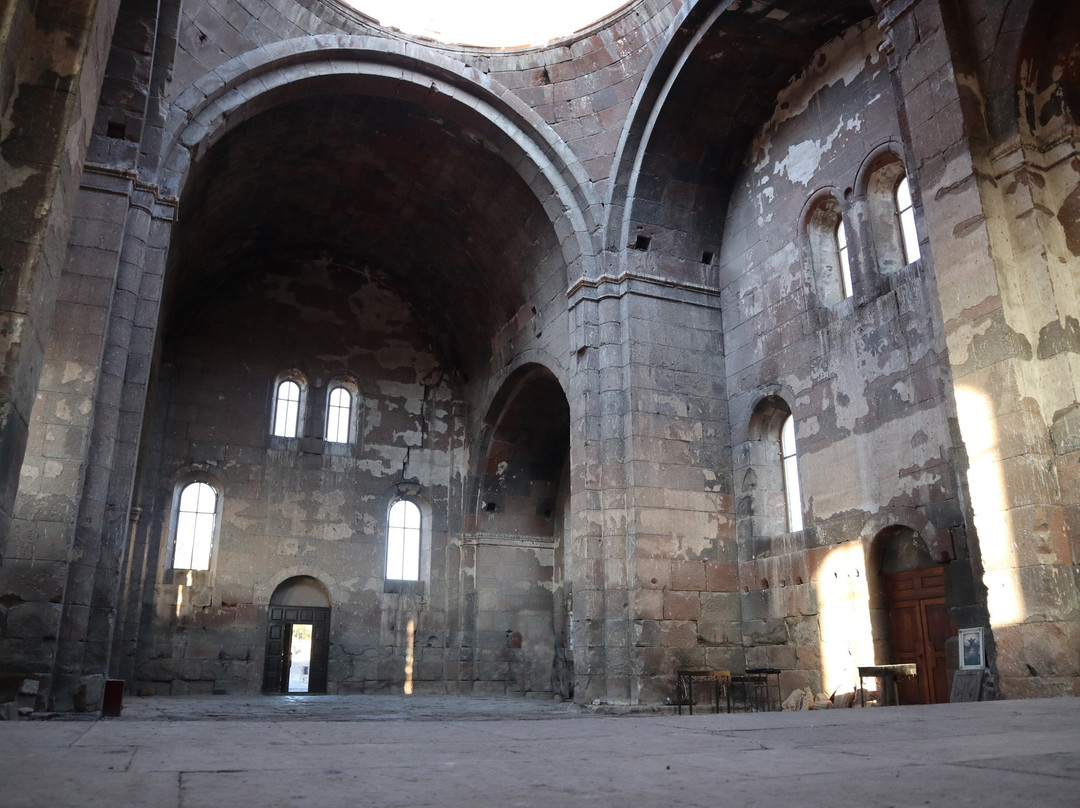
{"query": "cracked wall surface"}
[(574, 290)]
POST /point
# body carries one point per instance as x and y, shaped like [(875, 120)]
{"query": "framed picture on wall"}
[(971, 649)]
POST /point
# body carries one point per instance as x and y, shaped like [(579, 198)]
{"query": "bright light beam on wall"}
[(410, 633), (844, 601), (988, 500)]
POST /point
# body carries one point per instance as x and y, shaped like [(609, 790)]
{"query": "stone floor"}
[(428, 751)]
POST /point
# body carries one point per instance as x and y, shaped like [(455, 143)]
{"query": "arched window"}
[(286, 409), (766, 473), (829, 253), (890, 213), (196, 518), (790, 465), (845, 264), (905, 212), (338, 415), (403, 542)]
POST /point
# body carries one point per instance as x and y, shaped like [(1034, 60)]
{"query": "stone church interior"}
[(735, 335)]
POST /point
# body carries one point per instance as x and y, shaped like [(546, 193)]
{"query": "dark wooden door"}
[(278, 635), (919, 627)]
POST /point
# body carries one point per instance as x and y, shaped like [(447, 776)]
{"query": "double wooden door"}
[(919, 628), (279, 638)]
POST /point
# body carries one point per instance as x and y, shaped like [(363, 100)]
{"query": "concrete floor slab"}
[(392, 751)]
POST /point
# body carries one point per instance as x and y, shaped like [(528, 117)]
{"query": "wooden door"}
[(278, 635), (919, 627)]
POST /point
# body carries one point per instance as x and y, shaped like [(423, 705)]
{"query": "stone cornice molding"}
[(636, 283), (506, 540)]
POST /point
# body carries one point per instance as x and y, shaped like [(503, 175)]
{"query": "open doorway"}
[(299, 657), (297, 638)]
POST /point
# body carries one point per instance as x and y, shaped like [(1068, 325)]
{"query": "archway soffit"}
[(232, 92), (686, 31), (679, 41), (938, 541)]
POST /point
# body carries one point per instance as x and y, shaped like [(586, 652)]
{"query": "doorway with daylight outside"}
[(297, 638)]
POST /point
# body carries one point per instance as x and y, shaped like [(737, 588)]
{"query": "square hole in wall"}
[(642, 243)]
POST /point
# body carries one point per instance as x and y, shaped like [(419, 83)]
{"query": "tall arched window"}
[(338, 415), (905, 212), (766, 476), (890, 212), (829, 253), (196, 518), (790, 465), (403, 542), (286, 409), (845, 264)]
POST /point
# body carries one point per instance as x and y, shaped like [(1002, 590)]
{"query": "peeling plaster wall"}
[(862, 376), (302, 505), (661, 545)]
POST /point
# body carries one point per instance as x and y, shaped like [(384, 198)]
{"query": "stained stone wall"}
[(861, 375), (296, 506), (576, 288)]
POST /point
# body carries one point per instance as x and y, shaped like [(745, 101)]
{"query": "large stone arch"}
[(515, 559), (693, 52), (253, 82)]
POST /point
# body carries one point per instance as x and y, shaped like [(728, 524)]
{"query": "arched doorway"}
[(514, 559), (919, 625), (297, 638)]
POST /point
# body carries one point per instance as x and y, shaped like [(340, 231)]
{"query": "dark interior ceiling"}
[(723, 95), (1051, 49), (370, 182)]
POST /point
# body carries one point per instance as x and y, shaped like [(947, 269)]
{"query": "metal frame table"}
[(684, 686), (763, 687), (889, 674)]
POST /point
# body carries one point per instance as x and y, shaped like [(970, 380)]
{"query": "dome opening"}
[(488, 23)]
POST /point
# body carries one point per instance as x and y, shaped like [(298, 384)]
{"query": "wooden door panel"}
[(906, 627), (939, 628), (916, 584), (938, 625), (906, 631), (279, 631), (919, 627)]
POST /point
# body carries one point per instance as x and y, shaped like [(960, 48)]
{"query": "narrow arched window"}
[(287, 409), (403, 542), (845, 264), (828, 251), (905, 212), (195, 521), (791, 474), (338, 415)]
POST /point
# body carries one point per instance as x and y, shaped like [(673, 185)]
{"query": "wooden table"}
[(889, 674)]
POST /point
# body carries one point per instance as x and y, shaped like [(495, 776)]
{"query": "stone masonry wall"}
[(637, 225), (861, 376), (298, 506)]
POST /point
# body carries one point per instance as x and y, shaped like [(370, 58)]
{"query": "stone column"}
[(597, 540), (52, 58), (43, 559), (656, 538)]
